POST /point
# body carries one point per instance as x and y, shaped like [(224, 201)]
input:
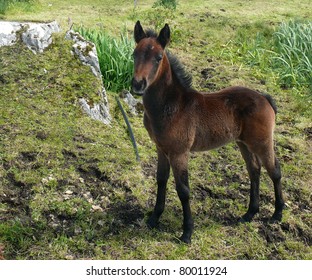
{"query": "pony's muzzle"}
[(139, 87)]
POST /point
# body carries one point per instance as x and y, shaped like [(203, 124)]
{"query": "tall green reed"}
[(292, 54), (115, 57), (285, 50)]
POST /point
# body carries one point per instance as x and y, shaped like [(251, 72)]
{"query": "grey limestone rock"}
[(86, 52), (36, 36)]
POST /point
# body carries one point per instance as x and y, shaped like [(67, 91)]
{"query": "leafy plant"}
[(115, 57), (293, 53), (287, 50), (5, 4), (169, 4), (158, 16)]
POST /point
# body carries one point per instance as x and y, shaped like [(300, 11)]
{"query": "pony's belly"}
[(209, 143)]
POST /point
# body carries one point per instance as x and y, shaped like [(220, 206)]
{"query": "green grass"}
[(71, 188), (169, 4), (284, 49), (5, 5), (293, 58), (115, 57)]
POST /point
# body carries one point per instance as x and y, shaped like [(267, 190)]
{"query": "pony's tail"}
[(271, 101)]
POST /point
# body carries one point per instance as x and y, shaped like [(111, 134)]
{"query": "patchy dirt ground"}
[(86, 201)]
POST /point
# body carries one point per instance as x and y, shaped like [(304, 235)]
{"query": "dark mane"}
[(151, 33), (178, 69)]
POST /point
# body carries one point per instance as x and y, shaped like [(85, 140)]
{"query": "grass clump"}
[(115, 57), (169, 4), (6, 4), (293, 53), (286, 51)]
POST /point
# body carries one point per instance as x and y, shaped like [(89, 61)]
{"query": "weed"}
[(158, 16), (293, 53), (6, 4), (169, 4), (17, 235), (115, 57), (285, 50)]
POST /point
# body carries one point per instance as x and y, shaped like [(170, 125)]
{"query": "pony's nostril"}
[(143, 83), (138, 86)]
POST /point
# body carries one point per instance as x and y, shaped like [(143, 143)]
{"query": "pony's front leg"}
[(179, 166), (163, 170)]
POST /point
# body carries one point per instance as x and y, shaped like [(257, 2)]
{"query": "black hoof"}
[(246, 218), (242, 220), (185, 239), (152, 223), (277, 217)]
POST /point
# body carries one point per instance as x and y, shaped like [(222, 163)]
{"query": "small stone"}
[(97, 208), (81, 180), (69, 192)]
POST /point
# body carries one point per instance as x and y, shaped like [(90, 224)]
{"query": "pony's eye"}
[(159, 57)]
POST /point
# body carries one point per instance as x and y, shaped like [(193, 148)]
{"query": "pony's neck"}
[(165, 75), (162, 86), (160, 99)]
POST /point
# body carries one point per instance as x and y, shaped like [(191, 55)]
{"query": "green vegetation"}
[(293, 44), (115, 57), (6, 4), (48, 149), (285, 49), (169, 4), (71, 188)]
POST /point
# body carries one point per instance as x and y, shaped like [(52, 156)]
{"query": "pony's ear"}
[(139, 33), (164, 36)]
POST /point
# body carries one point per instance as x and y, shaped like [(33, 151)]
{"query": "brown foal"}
[(180, 119)]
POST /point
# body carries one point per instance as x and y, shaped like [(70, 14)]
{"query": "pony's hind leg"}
[(266, 154), (254, 168), (274, 171), (163, 170)]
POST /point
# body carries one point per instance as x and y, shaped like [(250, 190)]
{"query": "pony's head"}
[(148, 56)]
